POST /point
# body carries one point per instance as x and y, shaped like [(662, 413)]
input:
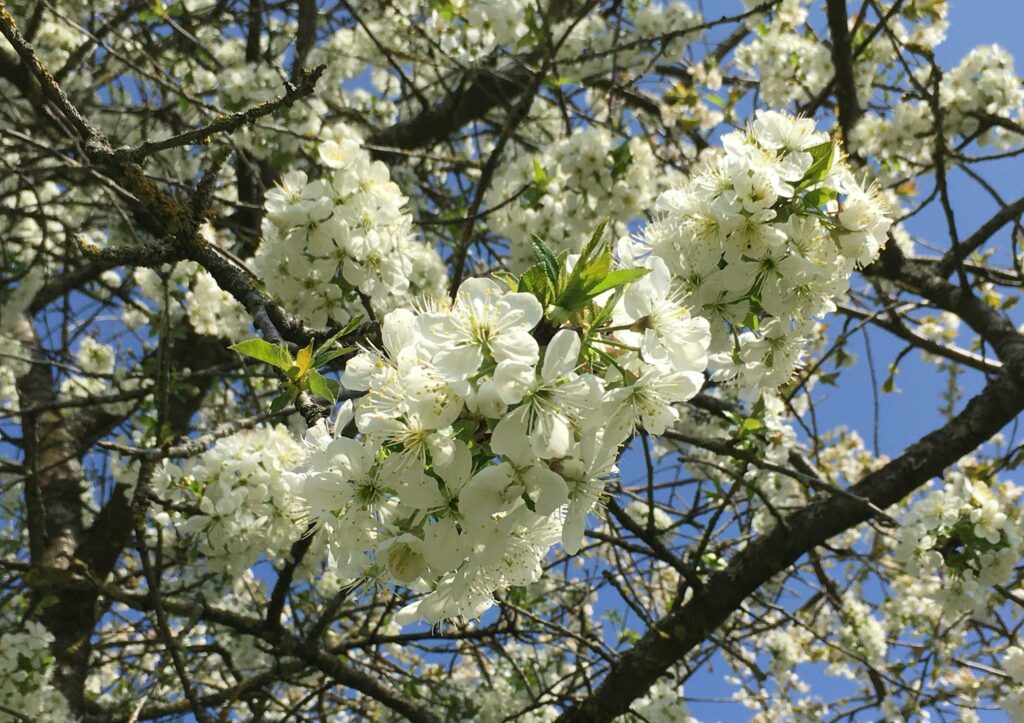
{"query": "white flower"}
[(586, 473), (649, 401), (485, 321), (542, 423)]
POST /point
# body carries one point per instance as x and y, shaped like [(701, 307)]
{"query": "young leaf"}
[(535, 281), (622, 157), (327, 356), (540, 174), (350, 327), (594, 240), (546, 258), (304, 360), (585, 275), (266, 352), (619, 277), (751, 424), (819, 197), (319, 386), (508, 278), (284, 398), (820, 165)]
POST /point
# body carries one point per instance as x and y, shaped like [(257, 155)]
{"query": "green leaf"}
[(622, 157), (508, 278), (822, 161), (445, 9), (594, 240), (278, 356), (819, 197), (284, 398), (588, 273), (531, 196), (329, 356), (540, 174), (325, 348), (829, 378), (751, 424), (535, 281), (546, 258), (558, 81), (889, 385), (319, 386), (619, 277), (577, 290)]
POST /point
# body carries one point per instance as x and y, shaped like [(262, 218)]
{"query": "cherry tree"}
[(443, 360)]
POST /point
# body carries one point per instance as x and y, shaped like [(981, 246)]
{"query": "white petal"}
[(420, 491), (523, 310), (399, 331), (444, 548), (512, 379), (572, 530), (515, 345), (511, 438), (546, 488), (484, 494), (359, 372), (488, 402), (478, 290), (551, 436), (458, 363), (561, 356)]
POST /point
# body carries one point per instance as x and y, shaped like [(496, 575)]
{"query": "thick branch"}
[(842, 60)]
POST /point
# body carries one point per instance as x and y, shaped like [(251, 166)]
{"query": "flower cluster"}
[(96, 362), (564, 191), (329, 244), (1013, 701), (25, 666), (984, 84), (213, 311), (589, 41), (233, 501), (763, 236), (478, 447), (967, 533), (790, 64), (190, 292)]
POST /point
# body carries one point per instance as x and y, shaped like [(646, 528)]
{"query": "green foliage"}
[(301, 372)]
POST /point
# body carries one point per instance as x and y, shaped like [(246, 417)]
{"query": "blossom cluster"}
[(561, 193), (25, 666), (762, 237), (791, 64), (186, 291), (233, 501), (967, 534), (330, 243), (587, 45), (478, 447), (96, 362), (983, 84), (466, 32), (1013, 664)]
